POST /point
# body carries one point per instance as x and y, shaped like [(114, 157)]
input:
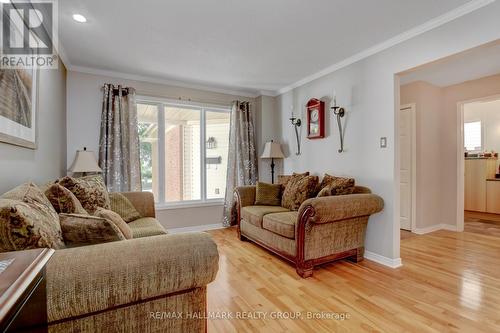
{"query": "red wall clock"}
[(315, 119)]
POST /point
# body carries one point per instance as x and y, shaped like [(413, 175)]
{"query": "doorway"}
[(407, 166), (479, 143)]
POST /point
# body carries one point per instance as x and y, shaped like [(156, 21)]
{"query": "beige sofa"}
[(322, 230), (133, 285)]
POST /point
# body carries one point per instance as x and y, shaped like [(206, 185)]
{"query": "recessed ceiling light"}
[(79, 18)]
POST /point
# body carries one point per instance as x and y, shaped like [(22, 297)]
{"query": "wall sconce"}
[(340, 113), (296, 122)]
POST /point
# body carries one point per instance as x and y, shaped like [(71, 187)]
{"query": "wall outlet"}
[(383, 142)]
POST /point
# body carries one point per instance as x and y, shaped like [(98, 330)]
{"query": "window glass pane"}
[(182, 154), (147, 115), (217, 146), (472, 136)]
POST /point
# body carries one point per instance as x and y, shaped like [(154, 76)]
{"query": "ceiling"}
[(252, 47), (470, 65)]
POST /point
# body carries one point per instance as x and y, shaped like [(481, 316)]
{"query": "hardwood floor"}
[(449, 282), (482, 223)]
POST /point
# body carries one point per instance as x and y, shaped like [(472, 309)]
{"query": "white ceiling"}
[(249, 46), (470, 65)]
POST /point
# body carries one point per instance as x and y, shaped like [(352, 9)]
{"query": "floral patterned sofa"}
[(311, 230)]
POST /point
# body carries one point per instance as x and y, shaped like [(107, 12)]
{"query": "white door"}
[(405, 155)]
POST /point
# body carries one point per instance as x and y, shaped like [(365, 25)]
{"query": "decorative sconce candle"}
[(296, 122), (339, 112)]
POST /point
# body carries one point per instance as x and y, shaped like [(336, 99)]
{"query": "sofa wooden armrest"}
[(93, 279), (144, 202)]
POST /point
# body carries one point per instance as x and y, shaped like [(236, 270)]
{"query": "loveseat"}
[(323, 229), (132, 285)]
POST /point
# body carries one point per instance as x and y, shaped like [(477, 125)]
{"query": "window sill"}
[(181, 205)]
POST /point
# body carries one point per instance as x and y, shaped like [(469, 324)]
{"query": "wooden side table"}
[(23, 295)]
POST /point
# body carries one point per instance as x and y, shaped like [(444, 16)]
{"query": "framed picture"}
[(18, 102), (315, 119)]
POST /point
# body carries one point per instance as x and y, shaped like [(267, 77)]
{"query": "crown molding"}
[(150, 79), (270, 93), (423, 28)]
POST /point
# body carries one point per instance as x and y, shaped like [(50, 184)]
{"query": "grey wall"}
[(48, 161), (267, 124)]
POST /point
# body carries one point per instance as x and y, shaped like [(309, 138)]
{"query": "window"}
[(184, 151), (473, 136)]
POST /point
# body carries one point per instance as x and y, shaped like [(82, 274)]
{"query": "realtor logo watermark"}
[(28, 28)]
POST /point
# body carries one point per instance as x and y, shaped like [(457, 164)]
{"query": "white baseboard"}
[(392, 263), (195, 228), (432, 228)]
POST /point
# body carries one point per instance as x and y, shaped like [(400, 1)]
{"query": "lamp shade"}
[(85, 161), (272, 150)]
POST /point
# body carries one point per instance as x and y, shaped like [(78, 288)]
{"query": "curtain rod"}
[(116, 91), (215, 102), (179, 98)]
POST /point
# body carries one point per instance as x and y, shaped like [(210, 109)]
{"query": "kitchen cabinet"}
[(477, 171), (493, 196)]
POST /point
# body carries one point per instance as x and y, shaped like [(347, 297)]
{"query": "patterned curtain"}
[(242, 160), (119, 140)]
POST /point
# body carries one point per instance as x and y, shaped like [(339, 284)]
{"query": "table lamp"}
[(85, 162), (272, 150)]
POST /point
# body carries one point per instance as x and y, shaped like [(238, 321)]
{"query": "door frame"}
[(413, 178), (460, 156)]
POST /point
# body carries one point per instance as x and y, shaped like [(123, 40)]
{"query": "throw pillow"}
[(63, 200), (116, 220), (332, 185), (90, 191), (284, 179), (299, 189), (268, 194), (28, 220), (81, 230), (121, 205)]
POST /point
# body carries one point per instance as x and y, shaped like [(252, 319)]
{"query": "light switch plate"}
[(383, 142)]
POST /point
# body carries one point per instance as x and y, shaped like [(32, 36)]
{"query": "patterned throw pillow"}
[(116, 220), (121, 205), (331, 185), (284, 179), (90, 191), (299, 189), (268, 194), (63, 200), (81, 230), (28, 220)]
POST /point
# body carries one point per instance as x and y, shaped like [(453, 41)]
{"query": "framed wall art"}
[(18, 99), (18, 112)]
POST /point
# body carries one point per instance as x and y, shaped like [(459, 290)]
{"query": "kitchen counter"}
[(481, 158), (493, 180)]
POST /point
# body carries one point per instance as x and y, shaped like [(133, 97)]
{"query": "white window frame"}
[(481, 124), (161, 103)]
